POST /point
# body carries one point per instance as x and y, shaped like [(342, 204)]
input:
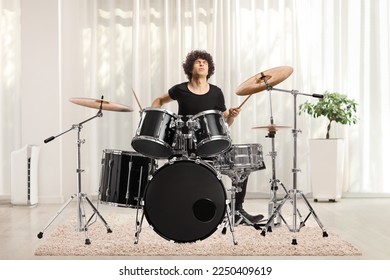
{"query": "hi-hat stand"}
[(82, 223), (274, 182), (293, 194)]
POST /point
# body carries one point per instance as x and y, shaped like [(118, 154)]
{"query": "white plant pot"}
[(327, 168)]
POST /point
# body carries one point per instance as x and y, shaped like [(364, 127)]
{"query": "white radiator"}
[(24, 175)]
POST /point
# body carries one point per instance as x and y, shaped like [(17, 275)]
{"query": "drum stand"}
[(293, 194), (82, 224), (230, 216), (236, 177)]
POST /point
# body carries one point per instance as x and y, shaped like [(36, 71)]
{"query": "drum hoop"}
[(115, 204), (128, 153), (213, 154), (196, 161), (123, 152), (246, 145), (207, 112), (151, 139), (210, 139), (160, 110)]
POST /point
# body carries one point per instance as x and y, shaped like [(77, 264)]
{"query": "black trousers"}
[(240, 196)]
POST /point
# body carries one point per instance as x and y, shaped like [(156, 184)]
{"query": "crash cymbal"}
[(96, 103), (256, 83), (272, 127)]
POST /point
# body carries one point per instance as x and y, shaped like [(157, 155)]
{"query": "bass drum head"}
[(185, 201)]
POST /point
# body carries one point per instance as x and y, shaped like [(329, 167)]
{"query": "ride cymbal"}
[(100, 103), (257, 83)]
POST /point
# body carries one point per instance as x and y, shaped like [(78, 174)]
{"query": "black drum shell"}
[(122, 182), (212, 135), (185, 201), (155, 134)]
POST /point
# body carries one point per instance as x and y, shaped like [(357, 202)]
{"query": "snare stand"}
[(292, 194), (82, 224), (236, 178)]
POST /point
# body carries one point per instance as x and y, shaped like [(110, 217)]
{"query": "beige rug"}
[(65, 241)]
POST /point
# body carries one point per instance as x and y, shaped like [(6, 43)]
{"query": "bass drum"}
[(185, 201)]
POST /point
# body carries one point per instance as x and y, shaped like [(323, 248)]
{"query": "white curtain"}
[(140, 44), (332, 45), (9, 87)]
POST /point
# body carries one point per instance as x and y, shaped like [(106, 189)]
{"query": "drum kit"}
[(185, 200)]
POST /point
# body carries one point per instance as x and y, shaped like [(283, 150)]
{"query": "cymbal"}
[(96, 103), (272, 127), (256, 83)]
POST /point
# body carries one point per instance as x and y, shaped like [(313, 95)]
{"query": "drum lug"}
[(193, 124), (224, 124), (172, 161), (219, 175), (172, 123)]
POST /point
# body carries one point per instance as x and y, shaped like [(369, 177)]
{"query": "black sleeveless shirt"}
[(192, 104)]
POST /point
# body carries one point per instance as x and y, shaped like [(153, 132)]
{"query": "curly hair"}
[(188, 64)]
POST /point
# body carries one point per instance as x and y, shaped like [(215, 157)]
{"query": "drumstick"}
[(139, 105), (246, 99)]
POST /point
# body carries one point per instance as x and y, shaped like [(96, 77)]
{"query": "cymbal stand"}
[(82, 224), (292, 194), (274, 202)]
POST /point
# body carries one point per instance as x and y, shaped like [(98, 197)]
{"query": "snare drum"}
[(241, 157), (155, 134), (211, 133), (185, 201), (124, 176)]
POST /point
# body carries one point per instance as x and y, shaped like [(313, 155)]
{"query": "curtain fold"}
[(332, 45), (9, 88), (140, 45)]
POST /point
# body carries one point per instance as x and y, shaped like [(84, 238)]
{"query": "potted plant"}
[(327, 155)]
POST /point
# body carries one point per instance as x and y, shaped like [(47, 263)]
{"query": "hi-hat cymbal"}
[(256, 83), (272, 127), (100, 103)]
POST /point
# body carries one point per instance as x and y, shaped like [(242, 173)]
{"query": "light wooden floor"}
[(364, 222)]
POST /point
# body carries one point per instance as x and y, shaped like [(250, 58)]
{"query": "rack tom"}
[(211, 134), (155, 134)]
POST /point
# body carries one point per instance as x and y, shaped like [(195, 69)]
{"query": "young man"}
[(196, 96)]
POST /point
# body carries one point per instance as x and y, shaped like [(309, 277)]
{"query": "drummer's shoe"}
[(244, 218)]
